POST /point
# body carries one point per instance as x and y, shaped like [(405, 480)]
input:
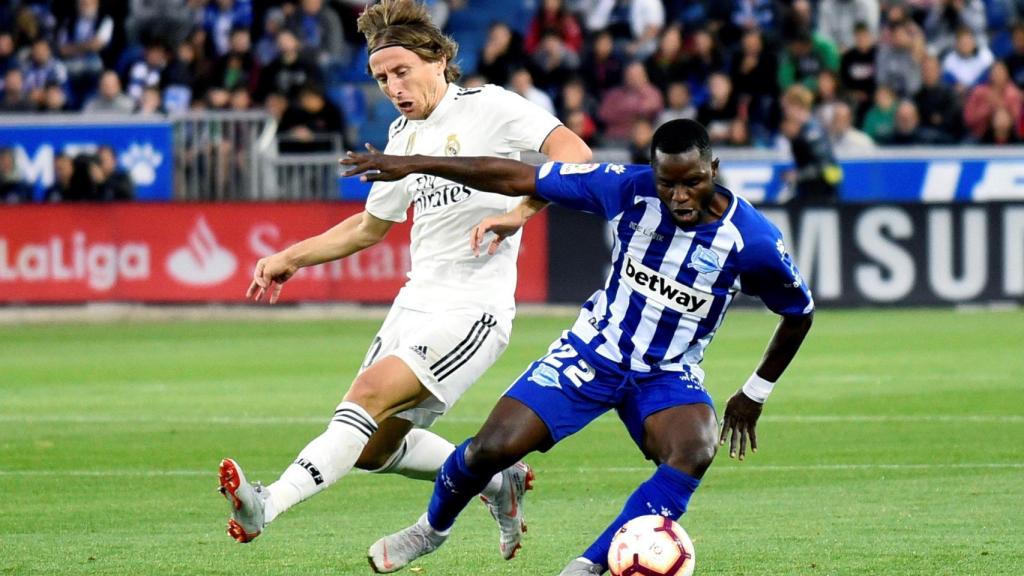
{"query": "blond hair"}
[(406, 23), (800, 96)]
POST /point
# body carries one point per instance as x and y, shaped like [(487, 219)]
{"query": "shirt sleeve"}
[(521, 124), (602, 189), (390, 200), (771, 275)]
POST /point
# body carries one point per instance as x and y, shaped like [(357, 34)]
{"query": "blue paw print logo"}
[(141, 161)]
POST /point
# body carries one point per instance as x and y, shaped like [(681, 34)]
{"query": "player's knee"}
[(488, 454), (694, 457), (367, 392)]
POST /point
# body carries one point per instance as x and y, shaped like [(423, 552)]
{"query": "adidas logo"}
[(420, 351)]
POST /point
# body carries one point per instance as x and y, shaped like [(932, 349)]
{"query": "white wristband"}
[(757, 388)]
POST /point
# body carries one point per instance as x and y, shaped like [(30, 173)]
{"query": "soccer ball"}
[(651, 546)]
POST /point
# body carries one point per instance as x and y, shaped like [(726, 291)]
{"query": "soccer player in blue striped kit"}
[(684, 247)]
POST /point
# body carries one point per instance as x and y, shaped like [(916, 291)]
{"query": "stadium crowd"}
[(876, 72)]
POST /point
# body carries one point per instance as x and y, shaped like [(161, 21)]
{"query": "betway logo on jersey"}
[(666, 291)]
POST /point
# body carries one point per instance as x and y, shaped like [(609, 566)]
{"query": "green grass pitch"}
[(892, 446)]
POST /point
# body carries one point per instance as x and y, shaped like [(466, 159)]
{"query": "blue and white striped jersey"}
[(669, 287)]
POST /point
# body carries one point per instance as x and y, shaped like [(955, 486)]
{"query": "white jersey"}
[(486, 121)]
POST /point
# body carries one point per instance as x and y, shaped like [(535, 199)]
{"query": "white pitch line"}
[(573, 470), (295, 420)]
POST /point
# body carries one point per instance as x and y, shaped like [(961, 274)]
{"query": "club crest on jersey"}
[(704, 261), (545, 375), (452, 146)]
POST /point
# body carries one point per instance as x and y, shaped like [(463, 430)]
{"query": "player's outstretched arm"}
[(497, 175), (744, 408), (348, 237)]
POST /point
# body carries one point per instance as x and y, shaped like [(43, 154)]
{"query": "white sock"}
[(324, 460)]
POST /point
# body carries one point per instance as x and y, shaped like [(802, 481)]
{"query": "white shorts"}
[(448, 351)]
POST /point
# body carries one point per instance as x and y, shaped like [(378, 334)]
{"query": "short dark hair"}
[(679, 136)]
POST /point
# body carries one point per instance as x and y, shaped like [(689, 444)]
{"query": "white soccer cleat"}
[(581, 568), (507, 507), (248, 502), (394, 552)]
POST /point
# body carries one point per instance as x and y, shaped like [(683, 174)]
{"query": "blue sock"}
[(455, 486), (667, 493)]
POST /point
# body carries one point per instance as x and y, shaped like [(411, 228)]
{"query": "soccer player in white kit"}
[(452, 319)]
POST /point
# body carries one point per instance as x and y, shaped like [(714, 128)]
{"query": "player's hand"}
[(269, 276), (502, 226), (374, 166), (739, 424)]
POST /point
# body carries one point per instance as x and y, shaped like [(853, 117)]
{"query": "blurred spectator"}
[(501, 54), (60, 190), (151, 102), (13, 188), (838, 20), (320, 30), (289, 71), (553, 18), (8, 59), (827, 97), (857, 69), (55, 99), (553, 63), (1014, 60), (169, 20), (967, 65), (472, 81), (238, 66), (521, 83), (1001, 129), (937, 104), (636, 99), (14, 97), (114, 184), (266, 46), (640, 142), (194, 62), (749, 16), (312, 122), (582, 125), (880, 120), (677, 104), (669, 62), (704, 58), (908, 131), (845, 137), (739, 134), (755, 76), (984, 99), (816, 176), (223, 16), (41, 69), (602, 68), (634, 24), (899, 62), (85, 175), (719, 111), (148, 72), (803, 58), (241, 99), (574, 97), (947, 17), (80, 41)]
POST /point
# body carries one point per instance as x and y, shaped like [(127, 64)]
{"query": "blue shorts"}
[(572, 385)]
